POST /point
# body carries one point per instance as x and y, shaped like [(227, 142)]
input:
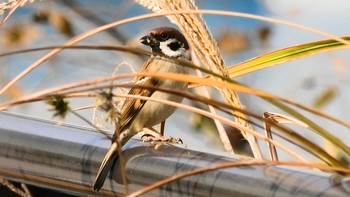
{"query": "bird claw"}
[(160, 139)]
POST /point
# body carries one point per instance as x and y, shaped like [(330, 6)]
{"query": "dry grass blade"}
[(92, 86), (195, 80), (209, 82), (170, 76), (135, 51), (202, 42), (304, 143), (278, 119), (195, 28), (300, 141), (221, 129), (146, 16), (282, 119), (150, 16), (231, 165), (315, 128), (62, 90), (222, 132), (69, 43), (268, 132), (214, 12), (219, 118), (12, 6), (140, 52), (24, 192)]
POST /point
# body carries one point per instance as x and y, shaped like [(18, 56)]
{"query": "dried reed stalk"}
[(11, 5), (202, 42), (23, 191)]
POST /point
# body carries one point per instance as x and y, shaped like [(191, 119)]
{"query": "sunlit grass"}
[(221, 78)]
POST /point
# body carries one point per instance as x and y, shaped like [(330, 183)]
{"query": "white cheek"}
[(168, 52)]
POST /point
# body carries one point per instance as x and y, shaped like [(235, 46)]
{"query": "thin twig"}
[(154, 15), (229, 165), (24, 193)]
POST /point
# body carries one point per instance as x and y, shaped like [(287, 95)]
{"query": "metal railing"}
[(66, 158)]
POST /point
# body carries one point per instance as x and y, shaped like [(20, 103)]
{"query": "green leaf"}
[(285, 55)]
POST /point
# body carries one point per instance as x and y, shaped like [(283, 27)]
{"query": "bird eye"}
[(174, 46)]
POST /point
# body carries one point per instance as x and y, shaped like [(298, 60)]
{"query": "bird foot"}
[(160, 139)]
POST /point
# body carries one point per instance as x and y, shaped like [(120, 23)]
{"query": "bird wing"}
[(132, 106)]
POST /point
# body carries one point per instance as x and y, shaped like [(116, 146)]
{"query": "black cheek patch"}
[(174, 46)]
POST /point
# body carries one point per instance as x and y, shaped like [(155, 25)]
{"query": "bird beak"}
[(149, 40)]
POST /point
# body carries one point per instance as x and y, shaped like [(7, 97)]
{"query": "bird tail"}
[(106, 165)]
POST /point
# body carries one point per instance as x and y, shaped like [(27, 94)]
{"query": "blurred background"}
[(321, 81)]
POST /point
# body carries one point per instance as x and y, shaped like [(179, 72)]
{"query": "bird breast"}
[(154, 113)]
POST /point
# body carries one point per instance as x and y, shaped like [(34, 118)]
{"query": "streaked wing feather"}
[(133, 106)]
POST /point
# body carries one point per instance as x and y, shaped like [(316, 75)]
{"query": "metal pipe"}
[(66, 158)]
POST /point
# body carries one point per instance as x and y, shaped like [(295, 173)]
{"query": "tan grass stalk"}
[(221, 119), (154, 15), (221, 130), (140, 52), (196, 80), (24, 192), (210, 82), (202, 42), (46, 94), (225, 165), (11, 5)]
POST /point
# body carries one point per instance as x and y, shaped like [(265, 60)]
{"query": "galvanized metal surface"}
[(66, 158)]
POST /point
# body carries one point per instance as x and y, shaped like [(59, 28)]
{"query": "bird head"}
[(167, 41)]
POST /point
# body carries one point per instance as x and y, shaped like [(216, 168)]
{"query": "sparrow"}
[(137, 114)]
